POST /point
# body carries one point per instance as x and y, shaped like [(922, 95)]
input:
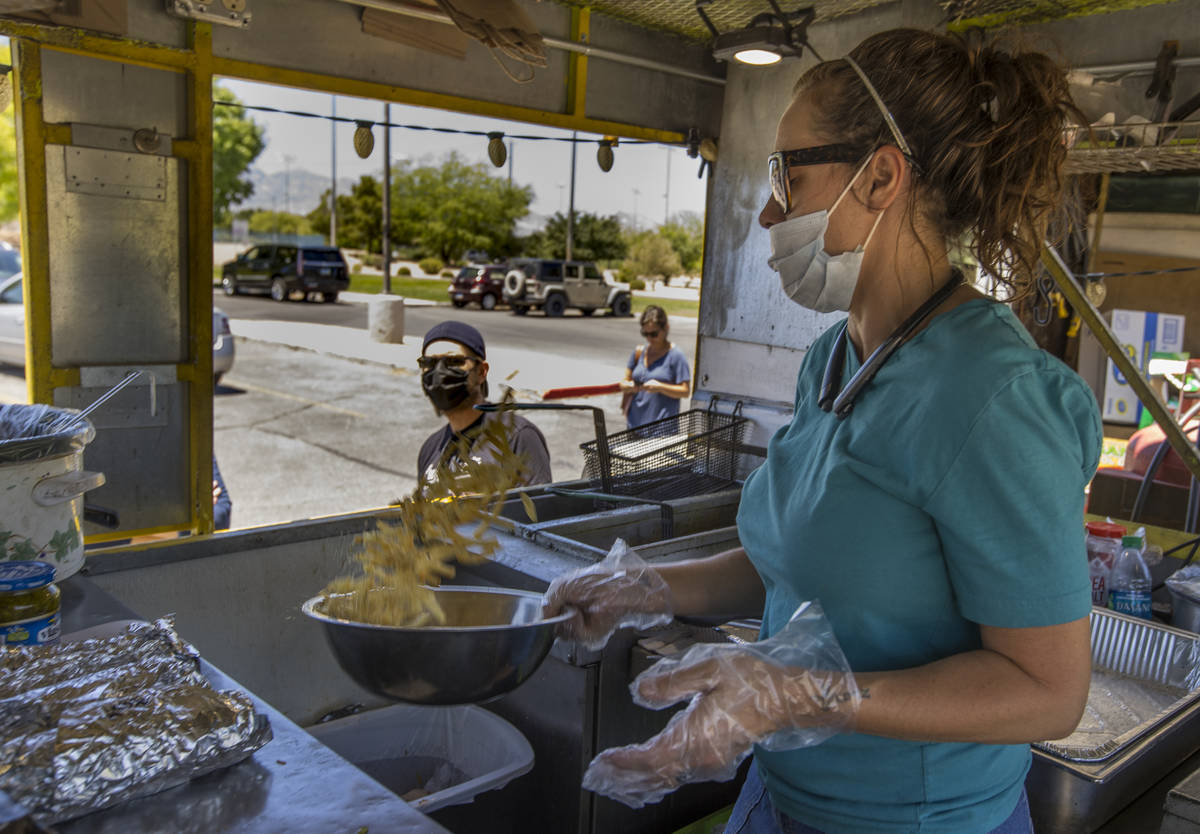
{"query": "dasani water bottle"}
[(1129, 581)]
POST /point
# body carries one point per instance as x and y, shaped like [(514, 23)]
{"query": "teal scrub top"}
[(951, 496)]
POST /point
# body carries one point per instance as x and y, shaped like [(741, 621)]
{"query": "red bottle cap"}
[(1105, 529)]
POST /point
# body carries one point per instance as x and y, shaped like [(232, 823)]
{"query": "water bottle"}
[(1129, 582)]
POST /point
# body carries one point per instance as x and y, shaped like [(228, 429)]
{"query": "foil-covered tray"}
[(89, 724), (1142, 675)]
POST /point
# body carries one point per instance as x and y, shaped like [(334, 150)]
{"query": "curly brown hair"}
[(985, 128)]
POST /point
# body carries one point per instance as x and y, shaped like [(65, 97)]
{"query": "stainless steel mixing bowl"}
[(494, 638)]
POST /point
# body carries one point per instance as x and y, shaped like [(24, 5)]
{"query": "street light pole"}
[(387, 198), (667, 191), (333, 177), (571, 207), (287, 182)]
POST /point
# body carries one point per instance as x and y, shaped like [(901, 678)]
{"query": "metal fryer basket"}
[(1142, 674), (692, 453)]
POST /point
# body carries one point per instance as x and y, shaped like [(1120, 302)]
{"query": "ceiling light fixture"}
[(767, 39)]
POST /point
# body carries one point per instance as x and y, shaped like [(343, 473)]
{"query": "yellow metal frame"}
[(157, 56), (36, 135), (577, 64), (201, 66), (421, 98), (200, 263)]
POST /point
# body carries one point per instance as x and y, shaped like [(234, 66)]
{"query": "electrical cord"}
[(484, 133)]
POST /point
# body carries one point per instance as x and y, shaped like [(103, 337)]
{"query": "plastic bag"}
[(620, 592), (790, 691), (32, 432), (1186, 582)]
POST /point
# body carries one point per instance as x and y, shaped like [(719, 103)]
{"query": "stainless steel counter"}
[(293, 784)]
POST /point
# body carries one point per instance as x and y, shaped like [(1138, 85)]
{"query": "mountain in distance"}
[(297, 191)]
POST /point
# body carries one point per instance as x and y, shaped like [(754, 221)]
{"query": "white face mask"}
[(810, 276)]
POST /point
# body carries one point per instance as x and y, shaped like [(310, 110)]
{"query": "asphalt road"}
[(595, 337)]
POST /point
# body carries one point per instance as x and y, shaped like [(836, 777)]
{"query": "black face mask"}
[(446, 386)]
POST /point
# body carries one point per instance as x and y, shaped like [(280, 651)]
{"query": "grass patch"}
[(428, 289), (672, 306)]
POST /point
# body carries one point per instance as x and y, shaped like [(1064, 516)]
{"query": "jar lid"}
[(1131, 541), (1105, 529), (25, 576)]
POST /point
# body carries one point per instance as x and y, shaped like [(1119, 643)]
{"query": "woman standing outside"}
[(657, 376), (929, 488)]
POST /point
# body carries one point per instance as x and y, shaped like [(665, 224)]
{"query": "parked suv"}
[(556, 285), (477, 282), (285, 270)]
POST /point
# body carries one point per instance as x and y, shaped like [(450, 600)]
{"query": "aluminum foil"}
[(87, 725)]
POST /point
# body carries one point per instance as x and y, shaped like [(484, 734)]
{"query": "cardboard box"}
[(1141, 334)]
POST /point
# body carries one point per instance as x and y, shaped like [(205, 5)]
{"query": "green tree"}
[(651, 255), (358, 225), (279, 222), (10, 204), (685, 232), (237, 142), (452, 207), (442, 209), (595, 238)]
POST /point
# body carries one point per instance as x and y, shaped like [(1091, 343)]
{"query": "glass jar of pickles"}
[(28, 604)]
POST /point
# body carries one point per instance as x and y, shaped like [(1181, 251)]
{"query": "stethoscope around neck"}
[(839, 400)]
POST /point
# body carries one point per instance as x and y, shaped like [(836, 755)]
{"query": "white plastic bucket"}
[(397, 746), (42, 483)]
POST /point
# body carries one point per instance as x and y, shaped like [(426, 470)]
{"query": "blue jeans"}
[(754, 813)]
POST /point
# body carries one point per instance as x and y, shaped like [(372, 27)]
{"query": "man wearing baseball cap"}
[(454, 372)]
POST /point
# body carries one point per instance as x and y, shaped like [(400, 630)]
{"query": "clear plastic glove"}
[(621, 591), (793, 690)]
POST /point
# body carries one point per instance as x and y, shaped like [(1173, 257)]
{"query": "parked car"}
[(479, 283), (10, 260), (284, 271), (554, 286), (222, 345), (12, 321), (12, 330)]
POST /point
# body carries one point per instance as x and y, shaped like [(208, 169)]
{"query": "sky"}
[(649, 181)]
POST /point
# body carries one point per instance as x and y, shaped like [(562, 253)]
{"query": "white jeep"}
[(553, 286)]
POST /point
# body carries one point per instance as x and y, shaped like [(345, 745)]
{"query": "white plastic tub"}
[(464, 750)]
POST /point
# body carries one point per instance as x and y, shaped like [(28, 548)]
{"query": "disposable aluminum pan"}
[(1142, 719)]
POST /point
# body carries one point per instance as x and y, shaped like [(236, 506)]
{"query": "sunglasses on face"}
[(779, 162), (428, 363), (651, 334)]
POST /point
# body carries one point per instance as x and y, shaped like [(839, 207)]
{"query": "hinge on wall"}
[(224, 12)]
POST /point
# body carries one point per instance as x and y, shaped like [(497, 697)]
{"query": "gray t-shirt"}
[(526, 439)]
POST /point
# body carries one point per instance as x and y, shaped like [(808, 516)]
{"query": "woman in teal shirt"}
[(929, 488)]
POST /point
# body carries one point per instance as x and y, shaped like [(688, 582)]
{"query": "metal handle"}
[(103, 516), (58, 489), (665, 510), (604, 462)]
